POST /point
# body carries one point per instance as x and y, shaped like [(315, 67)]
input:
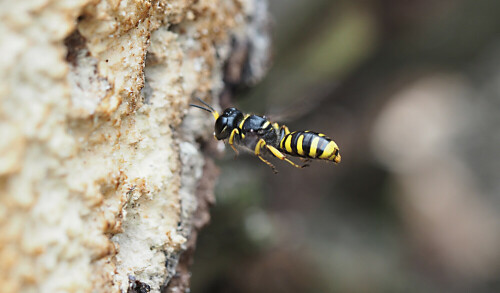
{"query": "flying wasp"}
[(262, 136)]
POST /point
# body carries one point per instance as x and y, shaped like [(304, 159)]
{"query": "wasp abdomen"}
[(309, 144)]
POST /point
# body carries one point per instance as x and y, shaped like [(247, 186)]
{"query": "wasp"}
[(262, 136)]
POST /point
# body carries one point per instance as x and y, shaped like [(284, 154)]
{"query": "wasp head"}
[(227, 122)]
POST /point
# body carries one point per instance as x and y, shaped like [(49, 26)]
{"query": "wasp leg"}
[(260, 145), (231, 140), (305, 160), (281, 156), (285, 129)]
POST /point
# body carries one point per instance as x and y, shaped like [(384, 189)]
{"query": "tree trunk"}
[(102, 185)]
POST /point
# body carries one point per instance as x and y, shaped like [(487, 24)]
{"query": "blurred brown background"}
[(410, 91)]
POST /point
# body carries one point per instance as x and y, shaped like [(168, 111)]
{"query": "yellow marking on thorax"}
[(329, 150), (314, 147), (288, 144), (300, 150), (266, 124), (243, 121), (321, 134)]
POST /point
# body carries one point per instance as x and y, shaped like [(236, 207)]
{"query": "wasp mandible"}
[(261, 135)]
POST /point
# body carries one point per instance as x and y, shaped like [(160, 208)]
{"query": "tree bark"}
[(99, 168)]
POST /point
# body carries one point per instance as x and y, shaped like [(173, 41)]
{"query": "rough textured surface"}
[(98, 172)]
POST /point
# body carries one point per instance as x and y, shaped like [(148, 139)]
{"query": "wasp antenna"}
[(205, 103), (209, 109), (200, 107)]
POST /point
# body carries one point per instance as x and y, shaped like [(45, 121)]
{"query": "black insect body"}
[(262, 136)]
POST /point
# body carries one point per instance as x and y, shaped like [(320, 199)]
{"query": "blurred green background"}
[(410, 91)]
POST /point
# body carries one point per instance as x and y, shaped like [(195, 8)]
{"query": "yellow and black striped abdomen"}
[(309, 144)]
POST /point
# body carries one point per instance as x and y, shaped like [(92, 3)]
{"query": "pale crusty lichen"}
[(97, 175)]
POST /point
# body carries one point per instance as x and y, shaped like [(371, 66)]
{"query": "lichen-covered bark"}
[(98, 161)]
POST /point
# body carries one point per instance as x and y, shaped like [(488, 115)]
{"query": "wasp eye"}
[(221, 126)]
